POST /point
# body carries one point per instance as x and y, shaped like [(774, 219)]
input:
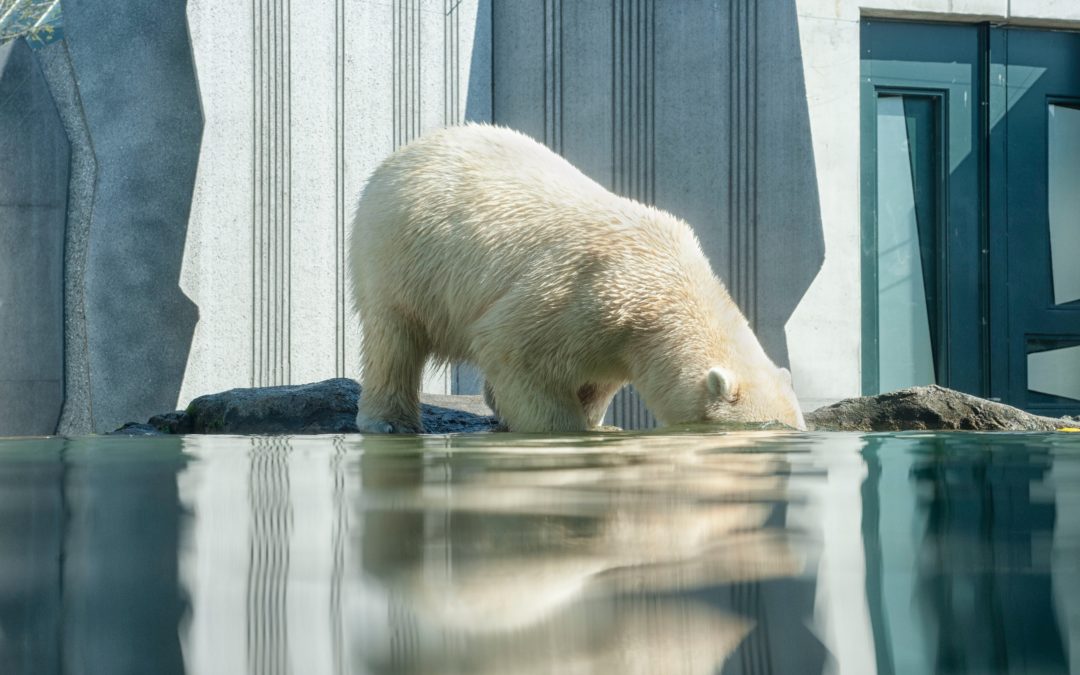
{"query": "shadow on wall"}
[(136, 79), (34, 156), (466, 378), (698, 107)]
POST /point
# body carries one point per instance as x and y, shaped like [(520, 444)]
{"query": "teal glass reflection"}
[(1053, 368), (906, 255), (1064, 201)]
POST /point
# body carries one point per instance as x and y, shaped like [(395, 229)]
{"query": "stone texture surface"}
[(56, 66), (327, 407), (133, 67), (33, 195), (927, 408)]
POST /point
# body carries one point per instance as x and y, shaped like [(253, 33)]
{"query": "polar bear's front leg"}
[(394, 353), (489, 399), (595, 398)]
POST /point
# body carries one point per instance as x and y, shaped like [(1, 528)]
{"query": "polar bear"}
[(478, 244)]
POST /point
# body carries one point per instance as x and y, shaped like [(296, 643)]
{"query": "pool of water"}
[(757, 552)]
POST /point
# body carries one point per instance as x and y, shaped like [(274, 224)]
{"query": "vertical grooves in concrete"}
[(339, 537), (633, 140), (272, 212), (742, 61), (76, 416), (406, 70), (452, 62), (633, 123), (553, 89), (341, 307)]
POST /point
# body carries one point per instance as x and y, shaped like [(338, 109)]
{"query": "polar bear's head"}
[(759, 394), (719, 373), (743, 391)]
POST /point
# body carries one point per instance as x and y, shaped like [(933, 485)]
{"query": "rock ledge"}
[(928, 408), (327, 407)]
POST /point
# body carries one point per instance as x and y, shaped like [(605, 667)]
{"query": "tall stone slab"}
[(34, 157), (133, 67), (75, 417)]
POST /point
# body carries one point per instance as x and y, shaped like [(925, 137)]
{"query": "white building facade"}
[(215, 156)]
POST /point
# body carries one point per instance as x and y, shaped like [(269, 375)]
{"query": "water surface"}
[(751, 552)]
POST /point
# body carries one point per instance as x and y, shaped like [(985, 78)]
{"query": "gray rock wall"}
[(56, 65), (133, 68), (33, 193)]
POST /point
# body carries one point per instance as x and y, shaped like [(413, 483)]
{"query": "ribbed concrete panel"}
[(34, 159), (301, 104), (137, 84), (633, 124), (676, 93)]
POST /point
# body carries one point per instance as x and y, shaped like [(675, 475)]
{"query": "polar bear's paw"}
[(375, 425)]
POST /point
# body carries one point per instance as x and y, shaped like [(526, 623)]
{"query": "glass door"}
[(1037, 156), (922, 221)]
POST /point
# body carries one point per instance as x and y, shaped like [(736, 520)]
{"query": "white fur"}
[(478, 244)]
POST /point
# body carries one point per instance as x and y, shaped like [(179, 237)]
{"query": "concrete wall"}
[(217, 151), (301, 101), (696, 106), (33, 191)]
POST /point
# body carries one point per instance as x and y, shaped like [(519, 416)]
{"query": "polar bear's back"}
[(448, 225)]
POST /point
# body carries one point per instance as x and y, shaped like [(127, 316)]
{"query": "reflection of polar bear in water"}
[(602, 562), (478, 244)]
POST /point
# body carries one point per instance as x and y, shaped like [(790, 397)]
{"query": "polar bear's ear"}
[(785, 374), (721, 383)]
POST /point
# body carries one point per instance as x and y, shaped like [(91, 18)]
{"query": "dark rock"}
[(136, 429), (456, 416), (176, 422), (327, 407), (926, 408)]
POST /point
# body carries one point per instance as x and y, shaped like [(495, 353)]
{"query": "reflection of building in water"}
[(646, 557), (698, 554), (263, 561), (1065, 561), (31, 545), (959, 549), (88, 567), (269, 543)]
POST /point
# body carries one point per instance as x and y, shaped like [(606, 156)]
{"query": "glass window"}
[(1053, 368), (1064, 201), (907, 278)]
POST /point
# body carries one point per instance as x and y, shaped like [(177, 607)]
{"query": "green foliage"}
[(39, 21)]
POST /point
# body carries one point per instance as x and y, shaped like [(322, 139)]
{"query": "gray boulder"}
[(137, 429), (327, 407), (930, 408)]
